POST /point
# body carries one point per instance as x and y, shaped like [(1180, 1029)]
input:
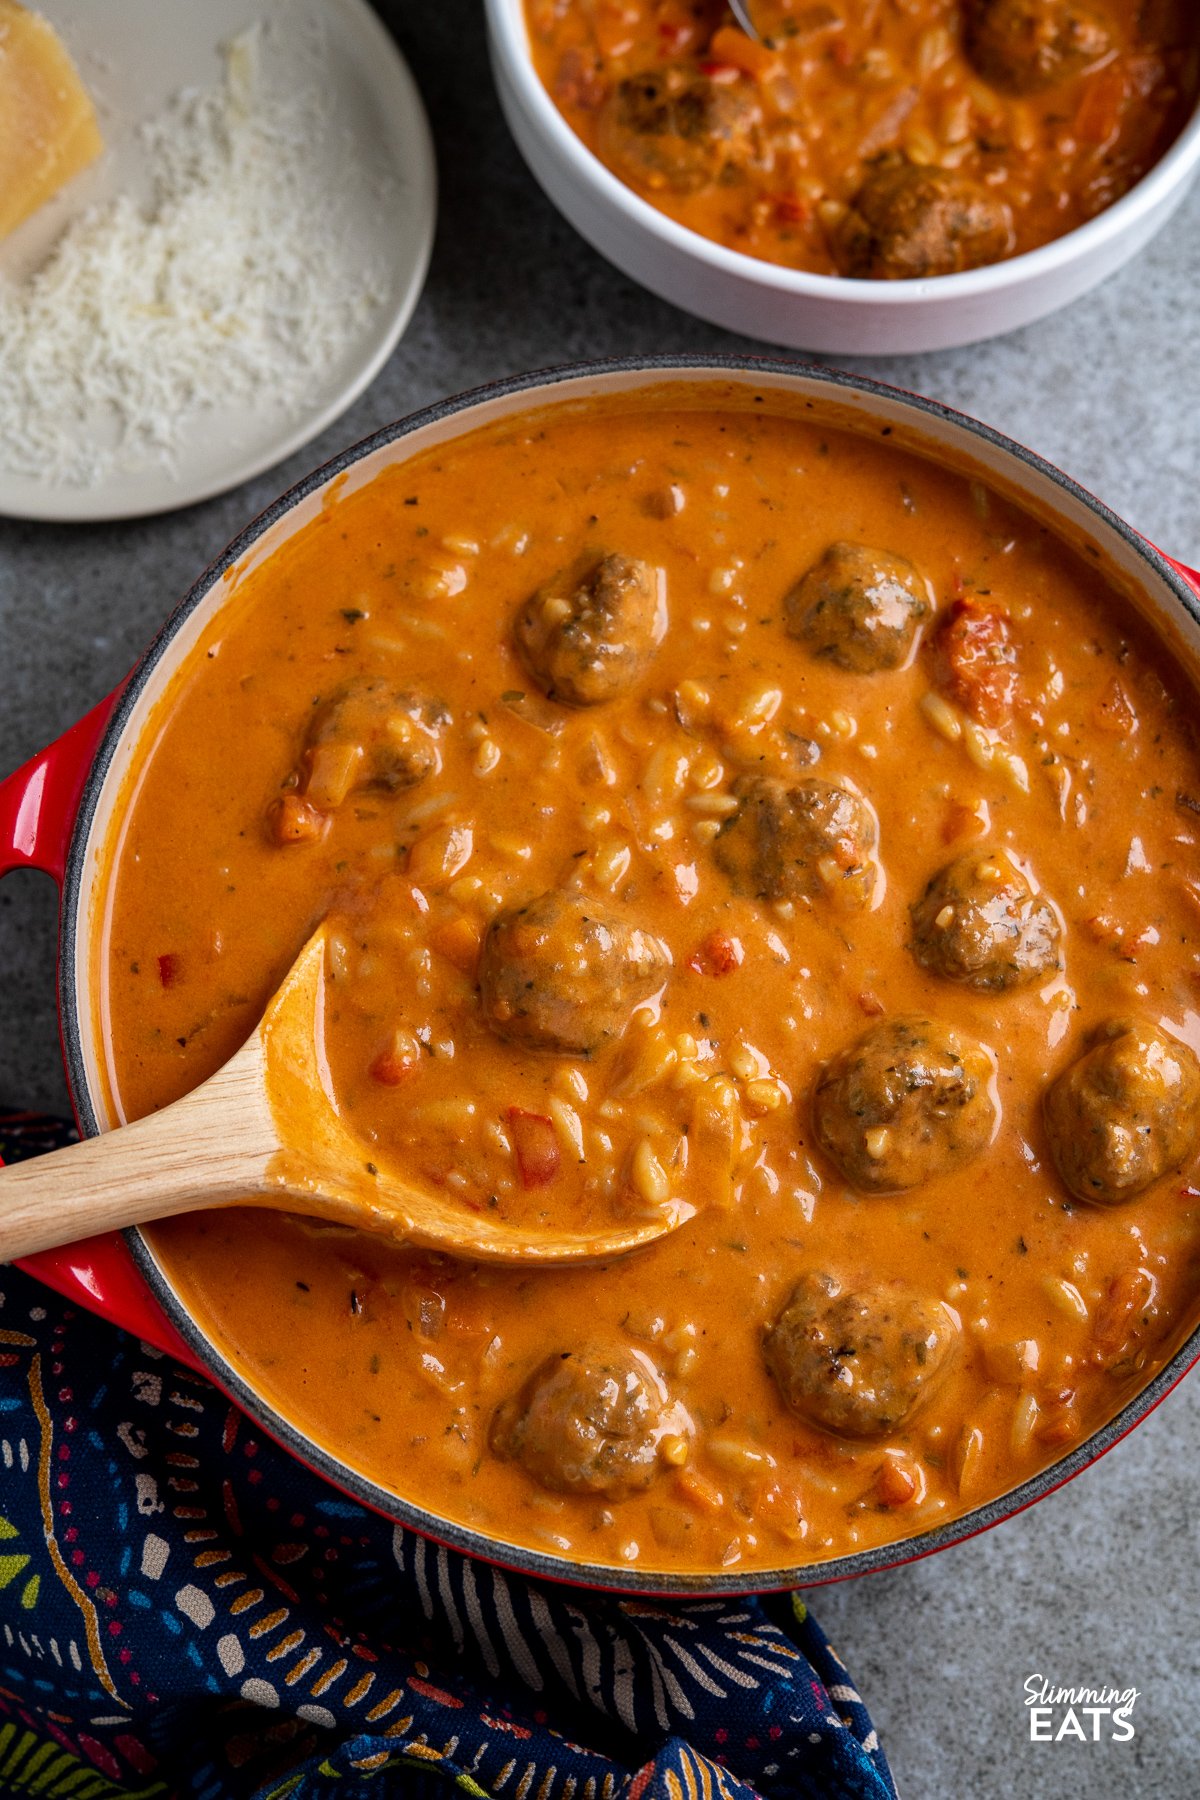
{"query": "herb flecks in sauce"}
[(1041, 1312)]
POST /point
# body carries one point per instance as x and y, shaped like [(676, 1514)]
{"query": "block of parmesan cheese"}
[(48, 129)]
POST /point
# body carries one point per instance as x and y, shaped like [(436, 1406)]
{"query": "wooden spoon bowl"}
[(265, 1131)]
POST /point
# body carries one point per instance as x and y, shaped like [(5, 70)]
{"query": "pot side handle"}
[(1191, 576), (38, 804)]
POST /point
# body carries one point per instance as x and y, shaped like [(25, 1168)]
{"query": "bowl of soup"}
[(858, 180), (735, 794)]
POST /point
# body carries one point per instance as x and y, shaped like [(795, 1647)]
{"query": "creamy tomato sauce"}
[(718, 810), (885, 139)]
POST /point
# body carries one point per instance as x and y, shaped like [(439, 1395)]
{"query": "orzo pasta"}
[(663, 869)]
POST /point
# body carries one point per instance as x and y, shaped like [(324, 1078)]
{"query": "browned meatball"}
[(369, 734), (858, 1362), (813, 841), (588, 635), (858, 608), (589, 1421), (980, 922), (1023, 46), (909, 1101), (672, 128), (1125, 1114), (563, 973), (906, 223)]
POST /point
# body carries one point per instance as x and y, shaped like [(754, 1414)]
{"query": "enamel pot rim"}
[(540, 387)]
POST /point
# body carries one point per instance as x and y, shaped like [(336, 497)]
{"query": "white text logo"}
[(1092, 1715)]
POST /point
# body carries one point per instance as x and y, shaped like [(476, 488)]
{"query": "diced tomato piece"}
[(401, 1059), (719, 954), (1127, 1306), (1127, 941), (976, 661), (391, 1067), (297, 821), (536, 1145), (789, 210), (898, 1482), (170, 968), (1114, 711)]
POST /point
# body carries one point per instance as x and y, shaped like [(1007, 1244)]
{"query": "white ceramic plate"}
[(134, 56)]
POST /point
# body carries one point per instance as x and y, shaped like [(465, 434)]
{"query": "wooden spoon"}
[(265, 1131)]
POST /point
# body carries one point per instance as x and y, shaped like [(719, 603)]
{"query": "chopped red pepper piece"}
[(293, 820), (719, 954), (391, 1067), (536, 1146), (789, 210), (1114, 712), (897, 1483), (977, 661), (170, 967)]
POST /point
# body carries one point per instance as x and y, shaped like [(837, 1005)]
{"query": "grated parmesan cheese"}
[(226, 288)]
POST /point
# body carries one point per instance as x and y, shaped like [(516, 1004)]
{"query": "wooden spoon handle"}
[(208, 1149)]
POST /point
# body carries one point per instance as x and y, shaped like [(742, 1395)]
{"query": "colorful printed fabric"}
[(186, 1610)]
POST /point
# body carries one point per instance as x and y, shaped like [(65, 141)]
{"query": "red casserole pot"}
[(55, 815)]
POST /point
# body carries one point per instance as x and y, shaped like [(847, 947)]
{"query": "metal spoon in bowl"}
[(741, 13), (265, 1131)]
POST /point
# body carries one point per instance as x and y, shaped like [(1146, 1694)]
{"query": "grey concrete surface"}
[(1100, 1584)]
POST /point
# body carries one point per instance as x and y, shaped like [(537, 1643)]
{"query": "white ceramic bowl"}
[(790, 306)]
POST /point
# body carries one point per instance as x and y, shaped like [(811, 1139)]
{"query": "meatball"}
[(909, 1101), (858, 608), (587, 636), (674, 129), (908, 222), (369, 734), (589, 1421), (1023, 46), (858, 1362), (1125, 1114), (561, 973), (980, 922), (813, 841)]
